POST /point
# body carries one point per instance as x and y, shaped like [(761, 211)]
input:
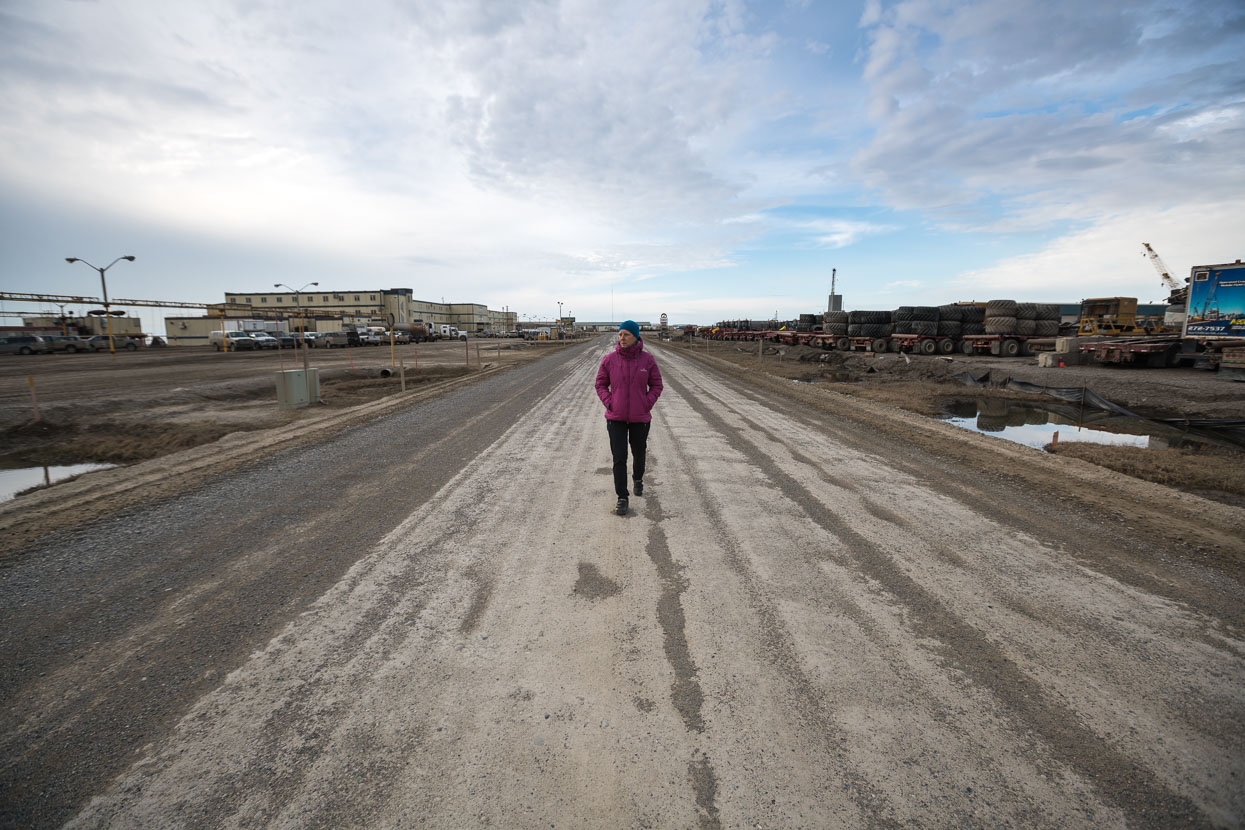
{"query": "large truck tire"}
[(1009, 348), (925, 328), (853, 330), (972, 328), (902, 314), (1001, 308), (1046, 328), (1025, 328), (1026, 311), (879, 345), (1047, 311), (946, 346), (836, 318), (926, 313), (949, 328), (1000, 325), (966, 347), (928, 346), (843, 344)]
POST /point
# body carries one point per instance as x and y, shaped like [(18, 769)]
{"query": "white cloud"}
[(1106, 258), (1019, 106)]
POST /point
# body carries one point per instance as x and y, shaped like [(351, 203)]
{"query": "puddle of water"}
[(1036, 426), (13, 482)]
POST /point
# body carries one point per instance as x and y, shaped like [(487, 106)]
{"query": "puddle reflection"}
[(1036, 426), (13, 482)]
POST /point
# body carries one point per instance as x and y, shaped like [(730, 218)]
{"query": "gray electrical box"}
[(296, 388), (836, 303)]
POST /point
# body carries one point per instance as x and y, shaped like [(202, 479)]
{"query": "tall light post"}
[(104, 285), (303, 317)]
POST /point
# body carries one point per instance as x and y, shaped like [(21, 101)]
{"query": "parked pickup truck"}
[(239, 341)]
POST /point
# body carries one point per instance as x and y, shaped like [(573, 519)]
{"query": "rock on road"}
[(801, 624)]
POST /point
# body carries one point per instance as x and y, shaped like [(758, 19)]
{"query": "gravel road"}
[(807, 621)]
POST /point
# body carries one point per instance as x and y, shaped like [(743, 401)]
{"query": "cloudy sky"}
[(709, 160)]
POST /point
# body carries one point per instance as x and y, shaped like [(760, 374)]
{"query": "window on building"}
[(324, 299), (279, 298), (372, 297), (263, 299), (356, 298)]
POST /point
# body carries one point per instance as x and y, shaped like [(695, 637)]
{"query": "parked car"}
[(24, 344), (239, 341), (401, 338), (286, 340), (66, 343), (99, 343), (265, 340), (329, 339)]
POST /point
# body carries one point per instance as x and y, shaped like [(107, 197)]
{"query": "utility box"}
[(296, 388)]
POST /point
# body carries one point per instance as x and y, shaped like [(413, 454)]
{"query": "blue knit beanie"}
[(630, 326)]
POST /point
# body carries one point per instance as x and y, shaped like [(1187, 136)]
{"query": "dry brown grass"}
[(1218, 474), (104, 443)]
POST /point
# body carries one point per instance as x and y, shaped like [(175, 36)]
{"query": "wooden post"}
[(402, 372), (34, 399)]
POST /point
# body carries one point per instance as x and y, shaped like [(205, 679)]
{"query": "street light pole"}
[(303, 319), (103, 285)]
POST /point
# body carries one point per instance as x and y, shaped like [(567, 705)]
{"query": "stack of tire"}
[(869, 324), (835, 322), (972, 320), (1022, 319), (807, 321), (901, 320), (1001, 317), (950, 321)]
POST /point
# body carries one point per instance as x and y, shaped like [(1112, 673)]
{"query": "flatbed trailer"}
[(924, 344), (999, 345), (1155, 352)]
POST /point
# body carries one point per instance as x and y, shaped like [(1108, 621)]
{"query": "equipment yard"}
[(828, 608)]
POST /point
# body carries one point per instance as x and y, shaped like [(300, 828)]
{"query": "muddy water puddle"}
[(13, 481), (1036, 426)]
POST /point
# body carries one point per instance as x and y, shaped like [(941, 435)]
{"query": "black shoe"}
[(621, 507), (639, 487)]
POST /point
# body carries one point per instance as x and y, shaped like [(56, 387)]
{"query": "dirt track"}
[(824, 612)]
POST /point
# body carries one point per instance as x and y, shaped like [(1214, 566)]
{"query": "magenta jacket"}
[(629, 383)]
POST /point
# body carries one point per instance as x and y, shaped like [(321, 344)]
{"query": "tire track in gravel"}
[(1131, 787), (109, 660), (991, 491), (444, 671)]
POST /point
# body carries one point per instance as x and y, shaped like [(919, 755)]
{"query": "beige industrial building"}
[(330, 311)]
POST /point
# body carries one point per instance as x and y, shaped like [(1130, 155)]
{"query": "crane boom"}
[(1161, 267), (1178, 291)]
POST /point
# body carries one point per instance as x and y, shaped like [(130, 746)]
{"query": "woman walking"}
[(628, 383)]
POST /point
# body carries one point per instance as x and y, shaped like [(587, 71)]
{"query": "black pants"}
[(622, 433)]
